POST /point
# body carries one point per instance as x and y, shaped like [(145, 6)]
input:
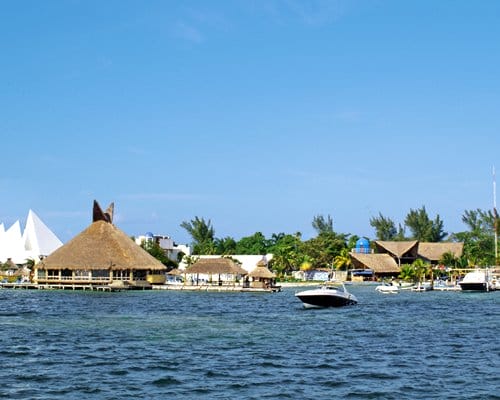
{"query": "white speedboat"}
[(479, 280), (330, 294), (388, 288)]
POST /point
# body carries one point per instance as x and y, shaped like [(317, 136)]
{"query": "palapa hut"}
[(381, 264), (405, 252), (261, 276), (224, 268), (432, 252), (100, 255)]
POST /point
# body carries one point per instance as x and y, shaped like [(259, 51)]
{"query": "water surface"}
[(181, 345)]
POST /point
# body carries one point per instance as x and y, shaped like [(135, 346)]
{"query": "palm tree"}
[(448, 259), (407, 273), (343, 260), (421, 269)]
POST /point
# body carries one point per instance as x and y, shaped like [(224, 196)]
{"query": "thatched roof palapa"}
[(398, 249), (102, 246), (261, 271), (213, 266), (434, 251), (379, 263)]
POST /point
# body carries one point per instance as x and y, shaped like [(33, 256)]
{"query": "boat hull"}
[(477, 286), (324, 301), (326, 297)]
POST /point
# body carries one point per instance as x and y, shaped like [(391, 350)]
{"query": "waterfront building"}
[(172, 250), (102, 254), (261, 276), (246, 261), (388, 256), (225, 271)]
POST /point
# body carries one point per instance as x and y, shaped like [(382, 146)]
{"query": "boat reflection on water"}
[(329, 294)]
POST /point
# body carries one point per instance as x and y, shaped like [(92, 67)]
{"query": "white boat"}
[(478, 280), (330, 294), (388, 288), (421, 287), (446, 287)]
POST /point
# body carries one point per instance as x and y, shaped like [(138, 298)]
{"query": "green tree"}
[(407, 273), (343, 259), (285, 258), (421, 269), (385, 228), (157, 252), (225, 246), (324, 248), (322, 224), (255, 244), (448, 259), (202, 233), (479, 243), (423, 228)]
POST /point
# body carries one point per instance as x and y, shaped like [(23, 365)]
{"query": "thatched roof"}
[(175, 271), (261, 271), (434, 251), (379, 263), (101, 246), (399, 249), (214, 266)]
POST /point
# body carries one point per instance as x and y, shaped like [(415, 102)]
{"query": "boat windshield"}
[(334, 286)]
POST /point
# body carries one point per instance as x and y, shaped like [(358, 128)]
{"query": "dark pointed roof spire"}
[(99, 215)]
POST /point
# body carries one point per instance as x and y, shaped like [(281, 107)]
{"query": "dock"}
[(112, 288)]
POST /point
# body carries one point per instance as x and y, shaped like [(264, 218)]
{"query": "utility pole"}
[(495, 215)]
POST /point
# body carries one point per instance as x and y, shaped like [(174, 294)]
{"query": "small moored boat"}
[(479, 280), (387, 288), (330, 294)]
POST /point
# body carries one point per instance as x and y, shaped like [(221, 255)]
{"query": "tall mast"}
[(495, 215)]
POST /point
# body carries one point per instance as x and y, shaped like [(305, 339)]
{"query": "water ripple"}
[(182, 345)]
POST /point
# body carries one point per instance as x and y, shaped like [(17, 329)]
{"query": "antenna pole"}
[(495, 215)]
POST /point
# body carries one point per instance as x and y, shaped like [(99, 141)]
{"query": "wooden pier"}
[(111, 288)]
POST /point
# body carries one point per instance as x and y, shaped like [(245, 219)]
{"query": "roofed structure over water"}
[(100, 255)]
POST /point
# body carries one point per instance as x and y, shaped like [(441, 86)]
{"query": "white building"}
[(35, 242), (172, 250)]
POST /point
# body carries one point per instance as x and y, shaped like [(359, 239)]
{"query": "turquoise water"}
[(183, 345)]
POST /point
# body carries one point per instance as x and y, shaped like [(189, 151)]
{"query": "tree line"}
[(331, 249)]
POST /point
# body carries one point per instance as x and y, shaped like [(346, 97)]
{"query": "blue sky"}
[(257, 115)]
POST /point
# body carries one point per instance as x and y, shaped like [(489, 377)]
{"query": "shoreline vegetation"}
[(394, 254), (333, 250)]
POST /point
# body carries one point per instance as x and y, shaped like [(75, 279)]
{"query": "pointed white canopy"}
[(11, 245), (38, 239)]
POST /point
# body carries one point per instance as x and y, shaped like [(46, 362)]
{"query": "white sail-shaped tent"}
[(36, 240), (12, 246)]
